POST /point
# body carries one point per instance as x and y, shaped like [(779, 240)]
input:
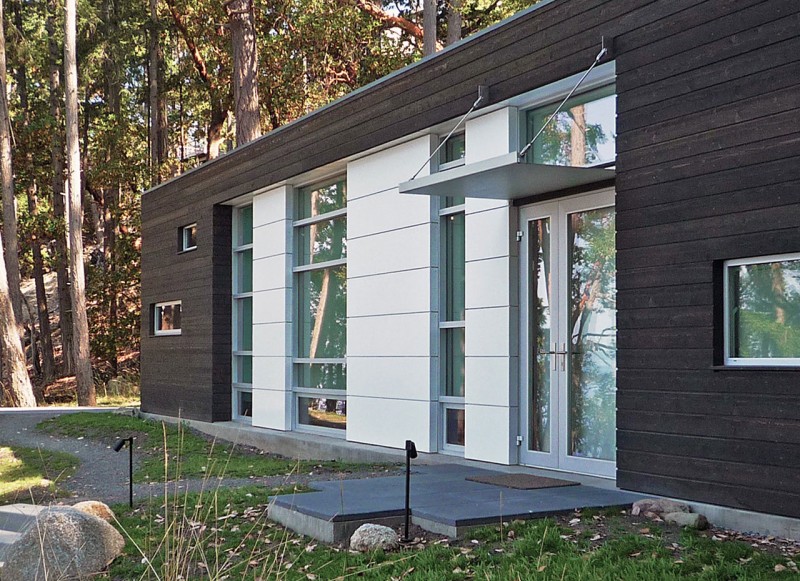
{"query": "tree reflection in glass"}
[(541, 292), (593, 334), (765, 310)]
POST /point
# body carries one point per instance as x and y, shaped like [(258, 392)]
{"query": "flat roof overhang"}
[(505, 178)]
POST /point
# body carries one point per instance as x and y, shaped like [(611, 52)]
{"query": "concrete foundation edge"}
[(321, 529)]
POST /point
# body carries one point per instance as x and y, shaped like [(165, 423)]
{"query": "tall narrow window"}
[(320, 250), (451, 323), (243, 312)]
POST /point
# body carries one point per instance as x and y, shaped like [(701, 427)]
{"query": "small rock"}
[(687, 519), (658, 506), (369, 537), (96, 508), (63, 543)]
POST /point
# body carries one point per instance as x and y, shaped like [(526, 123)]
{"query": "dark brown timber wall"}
[(708, 169)]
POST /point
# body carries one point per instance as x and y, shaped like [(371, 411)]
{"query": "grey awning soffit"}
[(504, 178)]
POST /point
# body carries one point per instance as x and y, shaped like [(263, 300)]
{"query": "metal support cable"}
[(597, 59)]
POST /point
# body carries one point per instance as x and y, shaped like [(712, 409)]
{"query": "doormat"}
[(522, 481)]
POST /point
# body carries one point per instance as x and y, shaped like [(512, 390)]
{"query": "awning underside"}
[(504, 178)]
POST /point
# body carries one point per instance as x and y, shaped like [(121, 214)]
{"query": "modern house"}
[(622, 300)]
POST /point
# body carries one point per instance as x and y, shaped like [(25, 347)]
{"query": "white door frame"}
[(558, 211)]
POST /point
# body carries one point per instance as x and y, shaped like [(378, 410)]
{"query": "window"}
[(189, 237), (320, 300), (583, 133), (451, 323), (242, 290), (167, 318), (453, 152), (762, 310)]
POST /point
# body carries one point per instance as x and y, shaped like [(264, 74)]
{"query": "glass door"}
[(568, 334)]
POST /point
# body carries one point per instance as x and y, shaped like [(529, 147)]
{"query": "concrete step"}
[(15, 519)]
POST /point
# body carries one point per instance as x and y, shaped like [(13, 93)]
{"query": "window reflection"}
[(322, 412)]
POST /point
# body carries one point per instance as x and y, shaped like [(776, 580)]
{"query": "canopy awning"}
[(504, 178)]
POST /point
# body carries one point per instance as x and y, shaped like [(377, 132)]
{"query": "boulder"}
[(658, 506), (63, 543), (95, 508), (369, 537), (686, 519)]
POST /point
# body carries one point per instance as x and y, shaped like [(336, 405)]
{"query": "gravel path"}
[(103, 474)]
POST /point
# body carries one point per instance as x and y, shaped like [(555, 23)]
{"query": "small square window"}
[(762, 310), (453, 152), (454, 426), (189, 237), (167, 318)]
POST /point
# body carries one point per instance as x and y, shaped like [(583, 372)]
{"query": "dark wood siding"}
[(708, 170)]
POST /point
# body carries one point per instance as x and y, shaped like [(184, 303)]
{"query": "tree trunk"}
[(577, 136), (428, 27), (57, 161), (453, 22), (10, 342), (157, 106), (245, 71), (217, 122), (45, 332), (83, 365)]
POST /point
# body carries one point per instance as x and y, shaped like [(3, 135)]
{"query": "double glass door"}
[(568, 334)]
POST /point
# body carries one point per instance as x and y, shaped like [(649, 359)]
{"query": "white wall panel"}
[(488, 283), (406, 291), (272, 239), (390, 377), (386, 211), (389, 252), (395, 335), (490, 233), (389, 422), (271, 306), (490, 332), (271, 206), (492, 380), (272, 273), (271, 339), (270, 409), (388, 168), (271, 372), (492, 134), (489, 433)]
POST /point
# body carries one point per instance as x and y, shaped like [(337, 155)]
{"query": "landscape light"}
[(118, 447)]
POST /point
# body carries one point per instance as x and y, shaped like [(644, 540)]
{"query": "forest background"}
[(102, 99)]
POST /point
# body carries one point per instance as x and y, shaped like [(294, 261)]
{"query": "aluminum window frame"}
[(727, 300), (184, 237), (299, 392), (156, 318), (238, 387)]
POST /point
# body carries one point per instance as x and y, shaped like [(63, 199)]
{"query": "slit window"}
[(189, 237), (167, 318)]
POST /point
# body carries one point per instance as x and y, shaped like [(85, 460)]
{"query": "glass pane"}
[(454, 263), (321, 375), (583, 133), (541, 274), (190, 237), (244, 324), (322, 241), (244, 271), (245, 403), (168, 317), (242, 369), (592, 348), (765, 310), (454, 149), (244, 226), (317, 200), (454, 362), (322, 412), (322, 313), (454, 426)]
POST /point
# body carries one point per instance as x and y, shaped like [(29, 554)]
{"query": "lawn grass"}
[(227, 534), (32, 475), (189, 454)]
